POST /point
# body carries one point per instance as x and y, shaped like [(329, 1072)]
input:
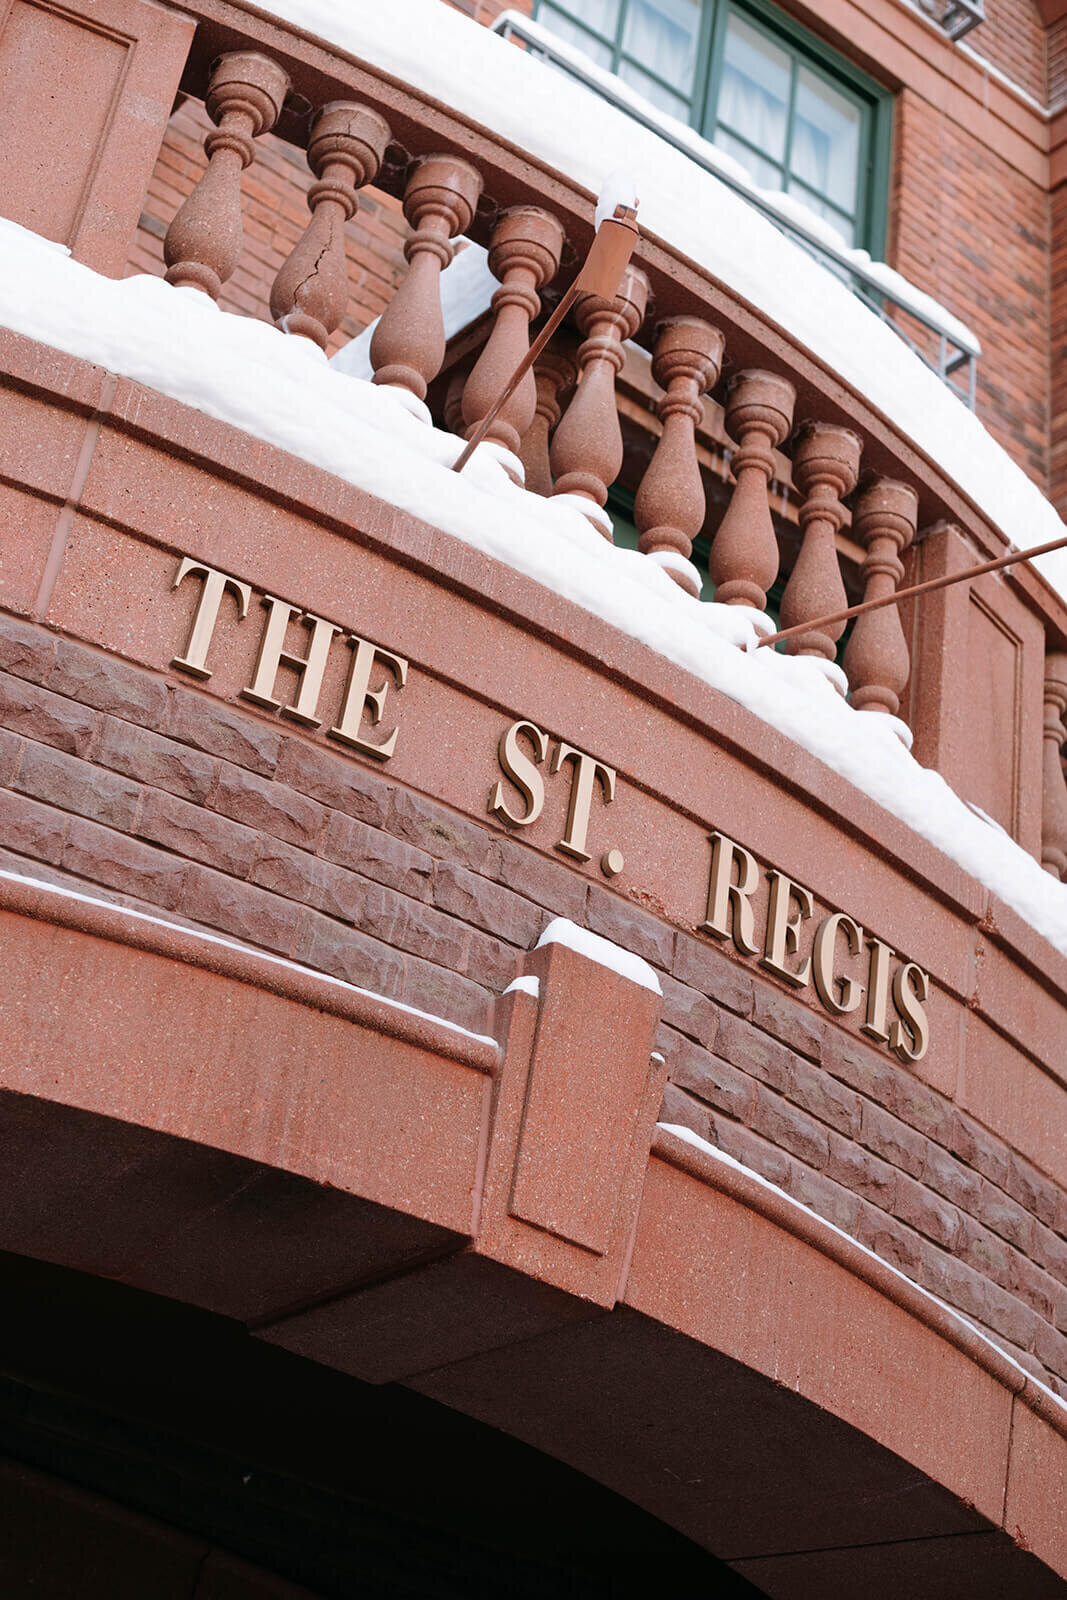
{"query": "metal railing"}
[(952, 352)]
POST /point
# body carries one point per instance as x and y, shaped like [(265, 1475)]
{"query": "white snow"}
[(568, 127), (603, 951), (245, 949), (694, 1139), (281, 389), (528, 983)]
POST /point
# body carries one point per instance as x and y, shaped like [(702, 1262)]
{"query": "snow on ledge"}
[(689, 1137), (528, 983), (246, 950), (280, 389), (450, 58), (602, 951)]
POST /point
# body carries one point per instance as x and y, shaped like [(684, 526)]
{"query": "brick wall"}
[(1058, 353), (1012, 39), (972, 232), (160, 796)]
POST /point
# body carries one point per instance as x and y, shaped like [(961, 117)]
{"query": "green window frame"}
[(698, 104)]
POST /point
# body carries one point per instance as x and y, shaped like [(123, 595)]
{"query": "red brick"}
[(268, 807), (689, 1012), (38, 714), (926, 1212), (744, 1046), (31, 829), (378, 855), (893, 1139), (706, 969), (487, 905), (198, 720), (26, 651), (72, 785), (786, 1125), (105, 857), (239, 908), (628, 926), (336, 780), (108, 684), (814, 1089), (346, 953), (152, 759), (783, 1018), (854, 1167), (439, 832), (191, 831), (711, 1079)]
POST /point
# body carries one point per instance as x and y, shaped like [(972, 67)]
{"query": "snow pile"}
[(602, 951), (281, 389), (570, 128)]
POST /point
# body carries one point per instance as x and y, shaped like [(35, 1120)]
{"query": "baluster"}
[(876, 657), (553, 373), (670, 504), (744, 552), (203, 243), (1054, 785), (524, 254), (310, 293), (452, 410), (587, 448), (408, 346), (826, 462)]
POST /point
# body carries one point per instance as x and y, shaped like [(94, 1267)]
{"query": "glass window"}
[(796, 116)]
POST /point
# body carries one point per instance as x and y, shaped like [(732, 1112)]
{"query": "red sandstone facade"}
[(485, 1199)]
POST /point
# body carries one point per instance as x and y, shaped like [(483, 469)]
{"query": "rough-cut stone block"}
[(473, 899), (1010, 1317), (957, 1183), (953, 1281), (785, 1124), (374, 854), (768, 1160), (744, 1046), (559, 889), (239, 737), (923, 1108), (887, 1136), (191, 831), (926, 1212), (1050, 1348), (31, 829), (439, 832), (241, 909), (490, 963), (689, 1012), (1034, 1286), (62, 780), (889, 1239), (702, 966), (1050, 1251), (26, 651), (826, 1198), (428, 987), (10, 750), (866, 1175), (999, 1212), (300, 876), (984, 1252), (105, 857), (152, 759), (977, 1148), (38, 714), (346, 953), (268, 807), (814, 1089), (629, 926), (785, 1019), (856, 1064), (108, 684), (680, 1108), (712, 1080), (411, 925), (1033, 1192), (334, 779)]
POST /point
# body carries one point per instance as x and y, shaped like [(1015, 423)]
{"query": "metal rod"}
[(916, 588), (520, 372)]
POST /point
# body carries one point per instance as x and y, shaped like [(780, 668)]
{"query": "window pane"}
[(600, 16), (654, 91), (843, 224), (565, 29), (826, 139), (754, 94), (662, 34), (762, 172)]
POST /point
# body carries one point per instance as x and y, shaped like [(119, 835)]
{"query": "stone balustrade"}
[(815, 498)]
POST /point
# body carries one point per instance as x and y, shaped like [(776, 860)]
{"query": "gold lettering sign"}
[(847, 967)]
